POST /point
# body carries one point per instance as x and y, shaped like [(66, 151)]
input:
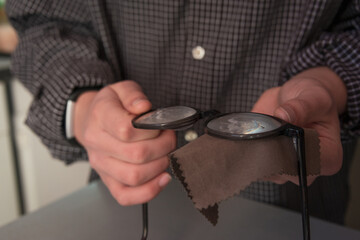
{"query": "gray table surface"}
[(92, 213)]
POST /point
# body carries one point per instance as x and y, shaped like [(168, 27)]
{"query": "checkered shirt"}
[(249, 46)]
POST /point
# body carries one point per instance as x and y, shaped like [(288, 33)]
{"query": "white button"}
[(190, 135), (198, 53)]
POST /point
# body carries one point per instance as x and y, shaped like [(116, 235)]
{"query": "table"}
[(91, 213)]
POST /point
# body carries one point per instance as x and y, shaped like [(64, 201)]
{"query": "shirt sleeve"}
[(58, 51), (339, 49)]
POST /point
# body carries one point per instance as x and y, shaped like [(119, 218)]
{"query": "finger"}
[(316, 109), (136, 195), (137, 152), (278, 179), (267, 102), (307, 106), (331, 160), (132, 97), (116, 121), (129, 174), (282, 179)]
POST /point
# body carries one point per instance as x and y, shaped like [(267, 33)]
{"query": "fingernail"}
[(138, 101), (283, 114), (164, 180)]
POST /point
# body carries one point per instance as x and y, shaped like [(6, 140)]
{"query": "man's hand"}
[(131, 162), (312, 99)]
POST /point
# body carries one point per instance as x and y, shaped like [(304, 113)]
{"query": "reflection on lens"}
[(244, 123), (166, 115)]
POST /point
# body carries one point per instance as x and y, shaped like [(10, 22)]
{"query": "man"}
[(293, 59)]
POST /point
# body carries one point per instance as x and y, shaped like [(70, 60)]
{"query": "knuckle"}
[(89, 137), (151, 192), (334, 168), (93, 162), (123, 199), (139, 155), (96, 109), (134, 178), (124, 133), (92, 159)]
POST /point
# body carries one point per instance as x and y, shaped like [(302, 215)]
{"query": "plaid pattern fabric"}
[(250, 46)]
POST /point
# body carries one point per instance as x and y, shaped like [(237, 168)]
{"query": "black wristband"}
[(69, 113), (78, 91)]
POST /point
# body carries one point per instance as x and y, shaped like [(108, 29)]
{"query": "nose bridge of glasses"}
[(209, 113)]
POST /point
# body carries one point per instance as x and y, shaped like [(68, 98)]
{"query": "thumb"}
[(295, 111), (305, 108), (132, 97)]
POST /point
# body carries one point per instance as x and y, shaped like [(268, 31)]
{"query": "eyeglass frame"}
[(285, 128)]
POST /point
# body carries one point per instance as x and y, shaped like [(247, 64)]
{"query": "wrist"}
[(82, 106), (73, 108)]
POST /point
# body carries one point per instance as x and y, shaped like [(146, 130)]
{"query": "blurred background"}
[(30, 178)]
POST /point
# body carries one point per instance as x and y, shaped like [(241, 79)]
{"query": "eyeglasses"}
[(233, 126)]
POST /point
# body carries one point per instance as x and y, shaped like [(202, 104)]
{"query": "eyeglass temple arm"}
[(297, 135), (145, 221)]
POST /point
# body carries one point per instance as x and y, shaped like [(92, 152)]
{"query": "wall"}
[(44, 179), (8, 196)]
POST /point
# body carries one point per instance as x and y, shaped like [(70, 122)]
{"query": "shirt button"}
[(198, 52), (190, 135)]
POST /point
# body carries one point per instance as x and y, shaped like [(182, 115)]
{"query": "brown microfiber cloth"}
[(214, 169)]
